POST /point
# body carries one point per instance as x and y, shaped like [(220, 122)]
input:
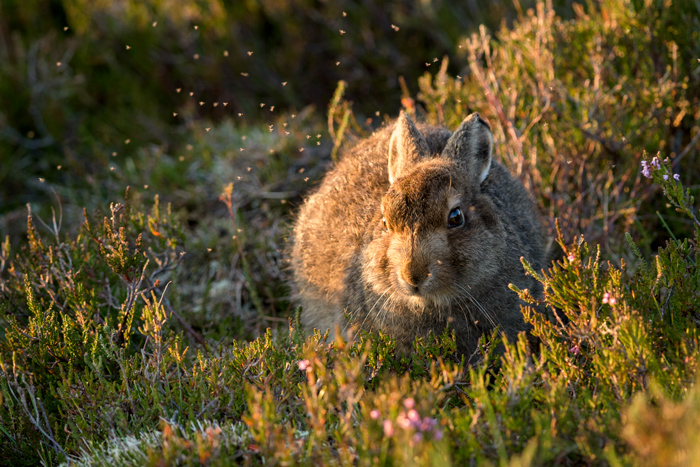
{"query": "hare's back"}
[(331, 222)]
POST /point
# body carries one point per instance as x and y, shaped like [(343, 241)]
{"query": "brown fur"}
[(417, 276)]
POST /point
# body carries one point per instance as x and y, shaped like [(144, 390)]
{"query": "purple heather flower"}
[(388, 428), (418, 437), (428, 424), (665, 177), (575, 350), (437, 435), (676, 177), (374, 414)]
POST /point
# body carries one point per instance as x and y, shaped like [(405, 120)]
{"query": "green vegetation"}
[(155, 327)]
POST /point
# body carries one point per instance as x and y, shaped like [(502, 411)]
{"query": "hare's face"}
[(435, 240)]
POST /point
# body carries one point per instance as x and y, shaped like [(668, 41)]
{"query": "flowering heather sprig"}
[(661, 172), (649, 167), (607, 298), (388, 428), (410, 419), (304, 365), (645, 170)]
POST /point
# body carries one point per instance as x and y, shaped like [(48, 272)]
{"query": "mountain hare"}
[(414, 230)]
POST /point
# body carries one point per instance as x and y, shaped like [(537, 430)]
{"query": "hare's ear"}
[(471, 146), (406, 147)]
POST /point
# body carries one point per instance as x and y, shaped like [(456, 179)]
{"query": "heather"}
[(152, 156)]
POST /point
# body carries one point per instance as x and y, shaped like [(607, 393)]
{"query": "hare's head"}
[(437, 236)]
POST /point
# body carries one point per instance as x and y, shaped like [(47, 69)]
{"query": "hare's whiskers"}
[(466, 319), (373, 307), (463, 301), (384, 309), (475, 302), (357, 310)]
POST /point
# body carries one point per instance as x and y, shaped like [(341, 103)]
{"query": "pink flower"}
[(418, 437), (575, 350), (437, 435), (409, 403), (303, 364), (676, 177), (403, 422), (613, 300), (606, 297), (388, 428), (374, 414), (413, 416), (571, 257), (665, 177)]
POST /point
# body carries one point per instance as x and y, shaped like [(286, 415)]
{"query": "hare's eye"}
[(386, 229), (455, 218)]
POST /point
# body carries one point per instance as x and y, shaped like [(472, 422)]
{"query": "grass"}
[(156, 326)]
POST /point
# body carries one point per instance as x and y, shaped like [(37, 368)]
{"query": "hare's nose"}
[(413, 278)]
